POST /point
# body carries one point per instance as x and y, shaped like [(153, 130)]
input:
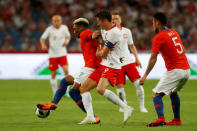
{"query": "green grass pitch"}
[(18, 99)]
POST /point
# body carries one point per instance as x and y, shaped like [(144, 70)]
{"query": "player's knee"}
[(82, 89), (158, 94), (120, 86), (69, 79), (100, 91)]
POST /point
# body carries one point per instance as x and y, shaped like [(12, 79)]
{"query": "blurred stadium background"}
[(23, 21)]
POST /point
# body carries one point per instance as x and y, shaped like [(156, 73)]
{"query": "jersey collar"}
[(111, 27), (165, 28)]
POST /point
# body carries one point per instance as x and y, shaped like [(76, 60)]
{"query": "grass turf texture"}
[(18, 99)]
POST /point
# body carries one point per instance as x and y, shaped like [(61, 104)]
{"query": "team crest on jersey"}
[(125, 36), (106, 70)]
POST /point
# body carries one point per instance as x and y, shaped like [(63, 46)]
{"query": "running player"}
[(59, 37), (89, 47), (128, 64), (107, 73), (168, 43)]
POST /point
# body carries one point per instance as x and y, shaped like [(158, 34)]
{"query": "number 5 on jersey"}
[(177, 44)]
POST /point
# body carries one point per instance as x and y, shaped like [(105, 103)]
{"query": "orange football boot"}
[(47, 106)]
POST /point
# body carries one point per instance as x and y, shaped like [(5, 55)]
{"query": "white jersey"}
[(57, 38), (127, 40), (112, 37)]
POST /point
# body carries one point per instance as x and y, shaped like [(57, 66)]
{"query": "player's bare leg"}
[(53, 81), (102, 89), (121, 94), (65, 69), (85, 88), (140, 95)]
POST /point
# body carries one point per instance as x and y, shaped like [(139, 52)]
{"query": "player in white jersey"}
[(107, 73), (128, 64), (59, 37)]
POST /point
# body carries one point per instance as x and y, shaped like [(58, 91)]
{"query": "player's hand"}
[(96, 34), (138, 63), (65, 43), (44, 47), (142, 80), (97, 52)]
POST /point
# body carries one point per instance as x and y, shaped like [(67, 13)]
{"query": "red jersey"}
[(89, 47), (168, 43)]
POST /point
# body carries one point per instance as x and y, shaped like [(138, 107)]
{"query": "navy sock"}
[(60, 91), (75, 95), (158, 106), (175, 101)]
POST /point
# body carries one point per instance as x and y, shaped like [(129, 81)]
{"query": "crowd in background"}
[(22, 22)]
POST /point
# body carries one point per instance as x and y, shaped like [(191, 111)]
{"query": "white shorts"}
[(83, 75), (172, 81)]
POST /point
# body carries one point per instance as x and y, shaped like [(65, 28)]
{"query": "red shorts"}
[(131, 71), (105, 72), (54, 62)]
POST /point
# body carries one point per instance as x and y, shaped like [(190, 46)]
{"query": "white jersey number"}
[(177, 44)]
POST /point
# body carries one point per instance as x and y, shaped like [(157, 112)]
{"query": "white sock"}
[(121, 94), (114, 98), (87, 102), (53, 85), (140, 93)]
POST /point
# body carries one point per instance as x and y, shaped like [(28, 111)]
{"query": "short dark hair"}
[(104, 15), (84, 24), (161, 17)]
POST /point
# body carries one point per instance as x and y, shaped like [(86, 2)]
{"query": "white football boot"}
[(121, 109), (143, 109), (88, 120), (127, 113)]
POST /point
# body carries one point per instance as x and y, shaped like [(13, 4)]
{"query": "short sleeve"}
[(86, 35), (130, 38), (45, 35), (156, 45), (67, 31)]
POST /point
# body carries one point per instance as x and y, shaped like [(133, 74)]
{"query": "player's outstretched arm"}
[(150, 66), (134, 51)]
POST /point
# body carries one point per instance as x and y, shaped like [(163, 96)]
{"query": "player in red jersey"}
[(168, 43), (89, 47)]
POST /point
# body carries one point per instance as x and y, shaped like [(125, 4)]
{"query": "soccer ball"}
[(42, 113)]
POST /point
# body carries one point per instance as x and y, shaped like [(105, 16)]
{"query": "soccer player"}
[(59, 37), (128, 64), (168, 42), (89, 47), (107, 73)]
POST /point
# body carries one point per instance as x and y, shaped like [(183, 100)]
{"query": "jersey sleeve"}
[(156, 45), (86, 35), (67, 32), (130, 38), (113, 39), (45, 35)]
